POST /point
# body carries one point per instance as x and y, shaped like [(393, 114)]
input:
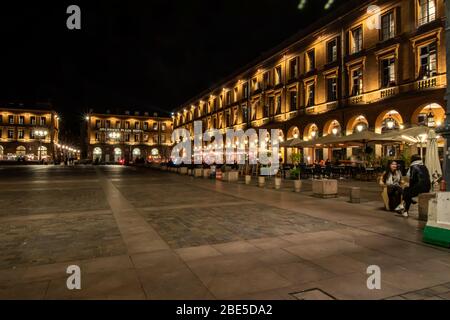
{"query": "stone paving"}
[(143, 234)]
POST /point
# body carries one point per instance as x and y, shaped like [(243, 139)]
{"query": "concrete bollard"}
[(297, 185), (261, 181), (424, 200), (355, 195), (277, 183), (206, 173), (248, 179)]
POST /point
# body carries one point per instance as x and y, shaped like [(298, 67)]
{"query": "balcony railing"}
[(427, 83)]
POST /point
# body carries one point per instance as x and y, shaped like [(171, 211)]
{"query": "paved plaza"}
[(138, 233)]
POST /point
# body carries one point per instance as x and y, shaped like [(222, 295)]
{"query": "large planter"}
[(183, 170), (277, 183), (225, 176), (325, 188), (261, 181), (248, 179), (206, 173), (297, 185), (233, 176)]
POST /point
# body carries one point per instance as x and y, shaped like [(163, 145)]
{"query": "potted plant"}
[(295, 173)]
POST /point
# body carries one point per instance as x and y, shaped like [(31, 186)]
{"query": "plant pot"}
[(248, 179), (261, 181), (297, 185), (277, 183)]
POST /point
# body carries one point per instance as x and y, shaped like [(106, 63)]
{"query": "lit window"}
[(387, 72), (357, 82), (293, 68), (293, 100), (278, 75), (332, 51), (427, 11), (332, 89), (310, 61), (387, 26), (357, 40), (428, 57), (310, 93)]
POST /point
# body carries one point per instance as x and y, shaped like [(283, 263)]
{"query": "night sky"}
[(136, 55)]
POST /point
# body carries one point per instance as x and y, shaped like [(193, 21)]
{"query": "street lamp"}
[(390, 122)]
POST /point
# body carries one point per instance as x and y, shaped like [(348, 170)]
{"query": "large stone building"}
[(28, 132), (375, 65), (113, 138)]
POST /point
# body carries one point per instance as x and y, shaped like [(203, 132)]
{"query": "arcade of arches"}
[(431, 115)]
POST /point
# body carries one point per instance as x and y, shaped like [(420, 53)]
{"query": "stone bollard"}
[(261, 181), (248, 179), (277, 183), (183, 171), (297, 185), (206, 173), (355, 195), (424, 200), (189, 172)]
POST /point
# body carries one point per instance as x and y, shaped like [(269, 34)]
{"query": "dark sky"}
[(137, 55)]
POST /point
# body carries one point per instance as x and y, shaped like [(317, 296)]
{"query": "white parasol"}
[(432, 158)]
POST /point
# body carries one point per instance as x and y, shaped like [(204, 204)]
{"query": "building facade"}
[(28, 133), (114, 138), (376, 65)]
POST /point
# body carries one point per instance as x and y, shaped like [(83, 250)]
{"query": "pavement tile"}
[(200, 252)]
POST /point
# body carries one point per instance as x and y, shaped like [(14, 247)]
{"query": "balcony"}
[(429, 83), (388, 92), (359, 99)]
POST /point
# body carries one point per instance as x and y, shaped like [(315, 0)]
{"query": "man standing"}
[(419, 182)]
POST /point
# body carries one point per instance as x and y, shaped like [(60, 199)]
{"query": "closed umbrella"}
[(432, 158)]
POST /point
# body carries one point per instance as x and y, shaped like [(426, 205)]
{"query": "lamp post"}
[(445, 131), (40, 134)]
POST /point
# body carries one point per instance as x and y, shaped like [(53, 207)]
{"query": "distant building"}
[(113, 138), (28, 132)]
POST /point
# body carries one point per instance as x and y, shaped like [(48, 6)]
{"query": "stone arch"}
[(356, 121), (421, 114), (21, 151), (332, 127), (293, 132), (311, 132), (389, 119)]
